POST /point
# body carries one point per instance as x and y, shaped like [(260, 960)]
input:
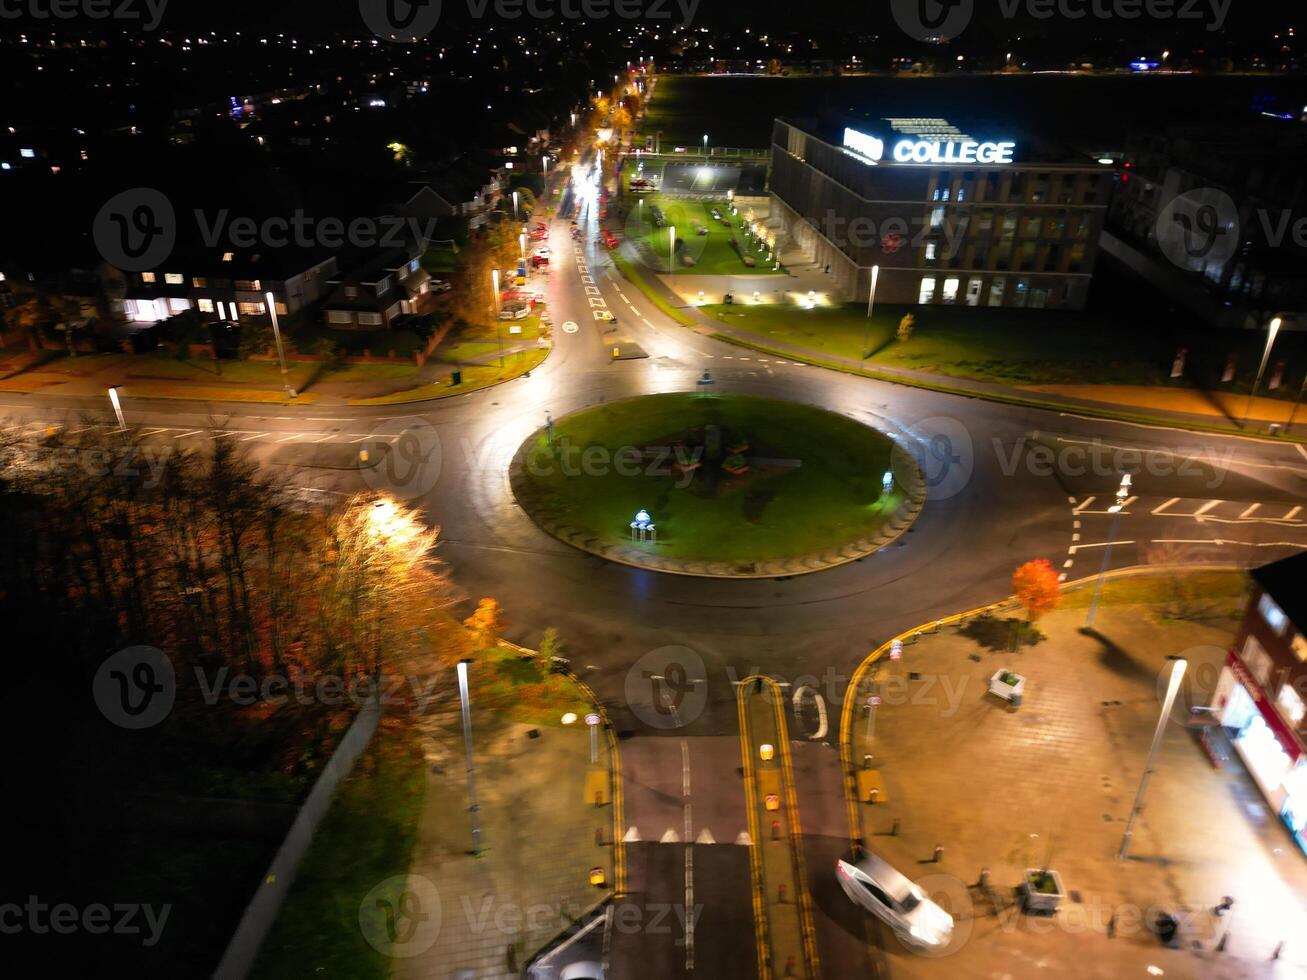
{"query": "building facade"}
[(1261, 695), (941, 217)]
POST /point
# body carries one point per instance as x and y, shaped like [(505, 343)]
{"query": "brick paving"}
[(539, 840), (1053, 782)]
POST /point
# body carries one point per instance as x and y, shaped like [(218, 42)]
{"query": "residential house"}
[(379, 286)]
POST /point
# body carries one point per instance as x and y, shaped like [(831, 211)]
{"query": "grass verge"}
[(475, 377), (629, 272)]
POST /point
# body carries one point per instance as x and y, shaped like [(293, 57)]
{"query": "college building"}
[(1261, 696), (933, 215)]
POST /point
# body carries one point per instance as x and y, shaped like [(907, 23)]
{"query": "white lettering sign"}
[(964, 151), (861, 143)]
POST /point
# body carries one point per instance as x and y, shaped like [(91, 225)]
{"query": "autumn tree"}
[(486, 623), (1036, 587)]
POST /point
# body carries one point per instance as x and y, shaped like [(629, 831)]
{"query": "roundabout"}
[(729, 486)]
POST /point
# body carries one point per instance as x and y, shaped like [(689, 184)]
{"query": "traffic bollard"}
[(894, 831), (939, 853), (775, 830)]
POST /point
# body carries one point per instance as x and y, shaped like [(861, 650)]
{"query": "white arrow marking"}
[(632, 835), (670, 836), (705, 837)]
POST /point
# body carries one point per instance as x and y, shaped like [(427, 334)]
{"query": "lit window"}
[(204, 305), (173, 278), (927, 293), (951, 290), (413, 266), (251, 309), (27, 154), (1290, 702), (199, 282), (1273, 614), (936, 217), (1257, 659), (369, 319), (228, 256), (930, 251), (147, 277)]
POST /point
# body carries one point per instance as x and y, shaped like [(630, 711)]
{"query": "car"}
[(605, 316), (543, 251), (874, 884), (538, 260), (440, 286), (538, 236), (514, 311)]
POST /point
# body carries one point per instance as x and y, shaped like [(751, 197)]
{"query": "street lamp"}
[(705, 146), (871, 305), (671, 248), (1122, 492), (276, 335), (117, 408), (472, 807), (514, 205), (1172, 689), (1272, 330)]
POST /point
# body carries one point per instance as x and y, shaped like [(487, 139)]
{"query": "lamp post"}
[(514, 205), (1122, 492), (117, 408), (472, 807), (671, 249), (705, 146), (871, 306), (1272, 330), (1172, 689), (276, 335), (499, 324)]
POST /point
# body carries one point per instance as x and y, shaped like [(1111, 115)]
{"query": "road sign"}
[(592, 719), (896, 650), (873, 701), (706, 379), (570, 327)]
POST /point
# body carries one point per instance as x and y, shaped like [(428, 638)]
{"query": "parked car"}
[(543, 251), (875, 885), (514, 311), (440, 286)]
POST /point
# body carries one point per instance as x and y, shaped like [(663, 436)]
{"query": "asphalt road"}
[(995, 502)]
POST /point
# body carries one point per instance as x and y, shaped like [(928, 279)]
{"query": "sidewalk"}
[(1181, 407), (539, 833), (1051, 783)]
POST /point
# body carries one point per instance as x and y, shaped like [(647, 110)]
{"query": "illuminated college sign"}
[(930, 151)]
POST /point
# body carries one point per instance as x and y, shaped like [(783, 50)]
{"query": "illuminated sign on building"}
[(930, 151)]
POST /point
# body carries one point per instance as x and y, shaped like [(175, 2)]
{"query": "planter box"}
[(1041, 892), (1000, 685)]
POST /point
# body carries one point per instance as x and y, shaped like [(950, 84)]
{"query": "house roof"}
[(1285, 581)]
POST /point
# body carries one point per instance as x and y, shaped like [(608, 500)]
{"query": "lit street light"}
[(705, 146), (1172, 689), (117, 408), (1122, 492), (276, 335), (472, 807), (671, 248), (871, 305), (1272, 330)]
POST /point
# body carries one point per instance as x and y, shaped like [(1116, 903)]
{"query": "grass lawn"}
[(522, 690), (367, 836), (480, 339), (635, 276), (712, 253), (441, 259), (1015, 347), (814, 478), (474, 376)]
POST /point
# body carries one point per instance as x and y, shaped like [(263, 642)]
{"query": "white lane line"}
[(150, 432), (1075, 536), (1206, 507), (1291, 515), (257, 435), (193, 432), (685, 768), (293, 435), (324, 438), (1250, 511), (1298, 446), (1072, 500), (1075, 548), (1068, 563), (1127, 502), (1222, 542), (1080, 509), (1076, 525), (1161, 507)]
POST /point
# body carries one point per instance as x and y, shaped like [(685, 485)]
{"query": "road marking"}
[(1206, 507), (150, 432), (1291, 515), (632, 836), (193, 432), (1075, 537), (1127, 502), (1222, 542), (705, 837), (1076, 525), (685, 768), (1087, 502), (256, 435), (670, 836), (293, 435), (1249, 512), (1068, 563), (1161, 507), (1101, 544), (1303, 452)]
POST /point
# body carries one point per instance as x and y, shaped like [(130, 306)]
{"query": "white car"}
[(440, 286), (543, 251), (896, 901)]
